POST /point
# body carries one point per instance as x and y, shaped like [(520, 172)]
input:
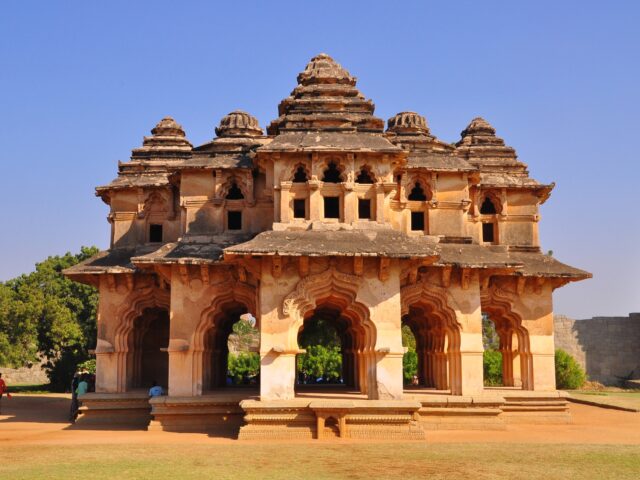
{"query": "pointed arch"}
[(426, 309), (133, 308), (232, 298), (338, 291), (499, 305)]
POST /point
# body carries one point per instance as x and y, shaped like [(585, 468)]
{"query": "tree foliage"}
[(569, 373), (410, 357), (321, 361), (323, 357), (492, 368), (45, 314), (243, 365)]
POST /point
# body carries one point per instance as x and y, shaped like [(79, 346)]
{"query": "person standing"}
[(3, 390)]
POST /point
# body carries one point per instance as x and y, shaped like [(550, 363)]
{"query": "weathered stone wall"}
[(24, 375), (607, 347)]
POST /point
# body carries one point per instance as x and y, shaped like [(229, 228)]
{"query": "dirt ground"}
[(42, 419)]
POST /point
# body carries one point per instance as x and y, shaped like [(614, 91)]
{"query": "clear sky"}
[(81, 82)]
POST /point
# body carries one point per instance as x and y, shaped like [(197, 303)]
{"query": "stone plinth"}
[(216, 414), (304, 419), (115, 410)]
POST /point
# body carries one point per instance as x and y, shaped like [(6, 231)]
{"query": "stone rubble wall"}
[(24, 375), (607, 347)]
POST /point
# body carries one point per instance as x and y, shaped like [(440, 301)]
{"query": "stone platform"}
[(325, 413), (115, 410), (325, 418)]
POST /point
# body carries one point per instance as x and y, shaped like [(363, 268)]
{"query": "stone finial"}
[(238, 124), (167, 139), (168, 127), (479, 126), (480, 132), (324, 69), (408, 123)]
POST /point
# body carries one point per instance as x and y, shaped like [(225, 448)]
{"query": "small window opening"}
[(417, 193), (155, 233), (234, 220), (300, 176), (331, 207), (332, 174), (488, 233), (299, 208), (417, 221), (364, 209), (234, 192), (364, 176), (488, 207)]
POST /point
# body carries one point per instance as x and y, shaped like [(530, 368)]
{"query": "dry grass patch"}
[(340, 460)]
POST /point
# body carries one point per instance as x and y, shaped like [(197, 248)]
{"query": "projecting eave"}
[(435, 162), (200, 251), (341, 243), (136, 180), (541, 265), (229, 161), (476, 256), (115, 261), (326, 141)]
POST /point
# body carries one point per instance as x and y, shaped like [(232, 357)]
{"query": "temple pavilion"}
[(326, 215)]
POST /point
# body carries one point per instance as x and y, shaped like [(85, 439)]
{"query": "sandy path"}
[(41, 419)]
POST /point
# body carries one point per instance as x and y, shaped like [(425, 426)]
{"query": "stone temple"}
[(328, 215)]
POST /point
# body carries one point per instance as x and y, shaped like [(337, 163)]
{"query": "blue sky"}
[(81, 83)]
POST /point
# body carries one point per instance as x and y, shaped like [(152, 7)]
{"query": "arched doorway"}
[(229, 357), (147, 358), (349, 348), (330, 356), (437, 347), (506, 345)]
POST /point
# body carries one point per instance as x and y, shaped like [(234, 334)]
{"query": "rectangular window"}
[(487, 233), (331, 207), (417, 221), (155, 233), (364, 209), (234, 220), (299, 208)]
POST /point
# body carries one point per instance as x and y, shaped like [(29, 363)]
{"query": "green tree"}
[(44, 313), (492, 367), (490, 339), (410, 357), (243, 365), (569, 373), (321, 361)]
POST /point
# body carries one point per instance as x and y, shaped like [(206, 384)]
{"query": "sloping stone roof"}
[(200, 251), (329, 141), (135, 180), (382, 243), (116, 260)]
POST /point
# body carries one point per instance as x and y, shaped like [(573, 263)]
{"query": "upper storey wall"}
[(328, 160)]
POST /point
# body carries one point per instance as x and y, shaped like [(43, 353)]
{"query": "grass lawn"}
[(621, 399), (312, 460), (36, 389)]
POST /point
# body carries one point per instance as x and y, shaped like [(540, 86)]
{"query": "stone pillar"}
[(379, 199), (285, 208), (315, 201), (277, 353), (466, 302), (181, 381), (350, 202), (383, 298)]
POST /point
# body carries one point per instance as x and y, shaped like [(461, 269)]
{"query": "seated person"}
[(155, 390)]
